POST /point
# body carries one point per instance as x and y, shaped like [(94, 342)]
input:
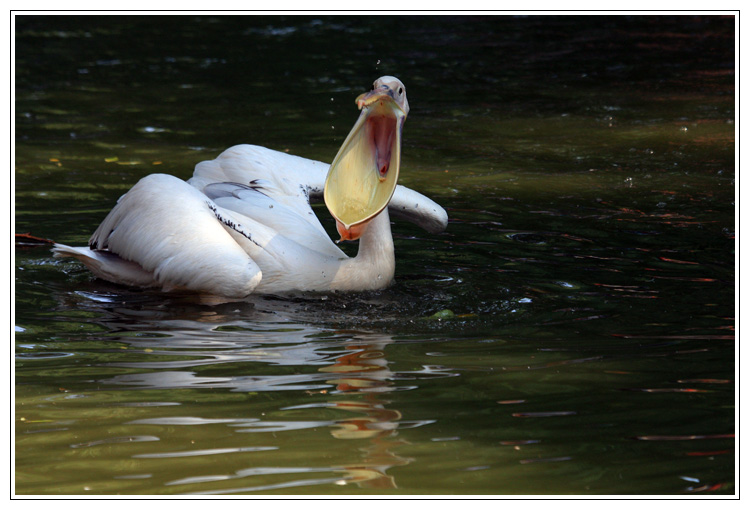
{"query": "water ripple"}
[(200, 453), (115, 440)]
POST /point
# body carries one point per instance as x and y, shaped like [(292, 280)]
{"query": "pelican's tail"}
[(107, 265)]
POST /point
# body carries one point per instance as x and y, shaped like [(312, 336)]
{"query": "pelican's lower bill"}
[(365, 171)]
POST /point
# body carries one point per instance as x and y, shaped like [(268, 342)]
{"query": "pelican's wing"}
[(271, 188), (413, 206), (289, 178), (181, 237), (298, 180), (261, 203)]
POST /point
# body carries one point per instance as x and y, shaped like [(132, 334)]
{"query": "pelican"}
[(244, 223)]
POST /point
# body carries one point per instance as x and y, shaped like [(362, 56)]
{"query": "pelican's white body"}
[(242, 224)]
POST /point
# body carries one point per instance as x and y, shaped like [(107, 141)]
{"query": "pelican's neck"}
[(376, 243), (375, 263)]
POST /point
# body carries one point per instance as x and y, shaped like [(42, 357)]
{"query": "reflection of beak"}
[(363, 175)]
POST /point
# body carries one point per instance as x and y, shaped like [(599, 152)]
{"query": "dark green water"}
[(588, 168)]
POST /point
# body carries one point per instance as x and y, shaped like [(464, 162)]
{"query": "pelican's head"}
[(363, 175)]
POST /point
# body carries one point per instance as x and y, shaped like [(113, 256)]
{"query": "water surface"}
[(571, 332)]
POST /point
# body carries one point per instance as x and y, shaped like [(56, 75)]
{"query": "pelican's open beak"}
[(363, 175)]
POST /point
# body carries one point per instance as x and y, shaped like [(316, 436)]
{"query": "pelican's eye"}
[(400, 91)]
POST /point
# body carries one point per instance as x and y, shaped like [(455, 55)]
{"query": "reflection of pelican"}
[(244, 224), (363, 372)]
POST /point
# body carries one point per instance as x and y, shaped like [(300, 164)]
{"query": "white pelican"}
[(243, 223)]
